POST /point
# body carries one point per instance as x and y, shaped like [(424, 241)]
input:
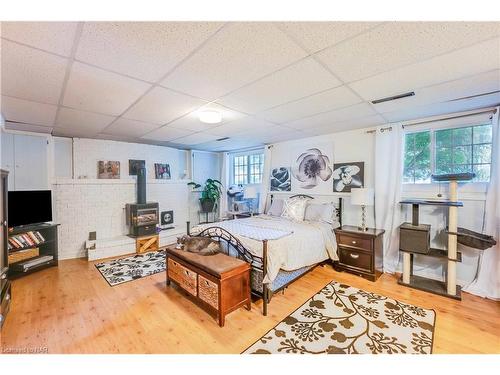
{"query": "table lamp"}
[(362, 197), (250, 193)]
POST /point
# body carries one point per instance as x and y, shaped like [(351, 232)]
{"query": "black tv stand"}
[(49, 247)]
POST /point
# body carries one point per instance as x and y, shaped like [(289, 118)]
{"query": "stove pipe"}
[(141, 185)]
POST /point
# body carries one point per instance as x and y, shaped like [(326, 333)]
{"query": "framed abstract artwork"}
[(347, 176), (280, 179)]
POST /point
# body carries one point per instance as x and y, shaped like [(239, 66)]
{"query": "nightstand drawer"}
[(355, 259), (358, 242)]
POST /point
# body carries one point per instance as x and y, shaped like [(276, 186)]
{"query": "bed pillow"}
[(321, 212), (276, 208), (294, 208)]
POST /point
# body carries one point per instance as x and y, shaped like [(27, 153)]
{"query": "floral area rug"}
[(342, 319), (119, 271)]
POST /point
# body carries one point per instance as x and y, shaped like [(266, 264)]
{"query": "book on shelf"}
[(23, 240)]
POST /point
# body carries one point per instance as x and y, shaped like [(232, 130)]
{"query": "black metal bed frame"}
[(257, 264)]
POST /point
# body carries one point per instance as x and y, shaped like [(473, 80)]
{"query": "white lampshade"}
[(362, 196), (250, 192)]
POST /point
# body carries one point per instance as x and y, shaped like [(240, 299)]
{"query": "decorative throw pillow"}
[(276, 208), (294, 208), (321, 212)]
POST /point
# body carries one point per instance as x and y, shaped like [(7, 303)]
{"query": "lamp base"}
[(363, 229)]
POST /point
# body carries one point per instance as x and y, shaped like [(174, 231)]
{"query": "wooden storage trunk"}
[(219, 282), (415, 238)]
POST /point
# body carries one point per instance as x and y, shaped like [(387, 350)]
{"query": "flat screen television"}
[(29, 207)]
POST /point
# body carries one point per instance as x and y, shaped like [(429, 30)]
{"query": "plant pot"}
[(207, 205)]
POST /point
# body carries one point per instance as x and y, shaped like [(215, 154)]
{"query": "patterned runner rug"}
[(343, 319), (119, 271)]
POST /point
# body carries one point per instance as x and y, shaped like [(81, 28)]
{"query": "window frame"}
[(432, 145), (248, 164)]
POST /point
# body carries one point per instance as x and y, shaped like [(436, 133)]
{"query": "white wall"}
[(83, 206), (350, 146), (357, 145), (86, 204)]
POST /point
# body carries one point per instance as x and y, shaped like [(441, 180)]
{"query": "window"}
[(457, 150), (248, 169)]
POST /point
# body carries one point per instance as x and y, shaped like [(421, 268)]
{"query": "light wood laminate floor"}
[(72, 309)]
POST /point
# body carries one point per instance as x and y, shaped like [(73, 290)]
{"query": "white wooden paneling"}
[(8, 156), (31, 167)]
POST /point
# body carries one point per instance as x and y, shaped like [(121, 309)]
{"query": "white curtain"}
[(487, 283), (266, 178), (224, 179), (388, 181)]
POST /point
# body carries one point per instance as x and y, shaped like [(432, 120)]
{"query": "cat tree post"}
[(452, 241)]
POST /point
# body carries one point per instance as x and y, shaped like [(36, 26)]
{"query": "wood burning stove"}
[(142, 217)]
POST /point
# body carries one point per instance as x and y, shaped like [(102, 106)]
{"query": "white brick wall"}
[(87, 152), (87, 204)]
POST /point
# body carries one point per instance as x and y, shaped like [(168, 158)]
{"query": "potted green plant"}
[(210, 194)]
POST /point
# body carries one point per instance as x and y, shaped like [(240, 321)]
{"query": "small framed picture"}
[(108, 169), (162, 171), (134, 166)]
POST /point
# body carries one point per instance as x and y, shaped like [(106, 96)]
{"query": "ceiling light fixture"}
[(210, 117), (395, 97)]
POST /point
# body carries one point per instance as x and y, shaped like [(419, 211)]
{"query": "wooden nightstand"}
[(360, 252)]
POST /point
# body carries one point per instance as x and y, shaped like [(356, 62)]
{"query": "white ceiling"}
[(147, 81)]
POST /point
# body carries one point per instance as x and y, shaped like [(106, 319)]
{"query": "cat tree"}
[(415, 239)]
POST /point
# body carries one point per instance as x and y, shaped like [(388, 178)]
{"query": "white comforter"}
[(308, 244)]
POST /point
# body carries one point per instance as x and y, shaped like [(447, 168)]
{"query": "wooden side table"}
[(360, 252)]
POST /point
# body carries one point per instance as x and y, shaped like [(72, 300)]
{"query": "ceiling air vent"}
[(395, 97), (222, 139)]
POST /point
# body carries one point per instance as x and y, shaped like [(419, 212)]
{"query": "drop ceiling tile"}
[(262, 134), (465, 62), (81, 121), (239, 54), (73, 133), (348, 125), (28, 112), (56, 37), (129, 128), (288, 135), (241, 125), (160, 106), (322, 102), (398, 43), (471, 86), (28, 127), (443, 108), (145, 50), (166, 133), (196, 138), (192, 122), (97, 90), (315, 36), (328, 118), (31, 74), (301, 79)]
